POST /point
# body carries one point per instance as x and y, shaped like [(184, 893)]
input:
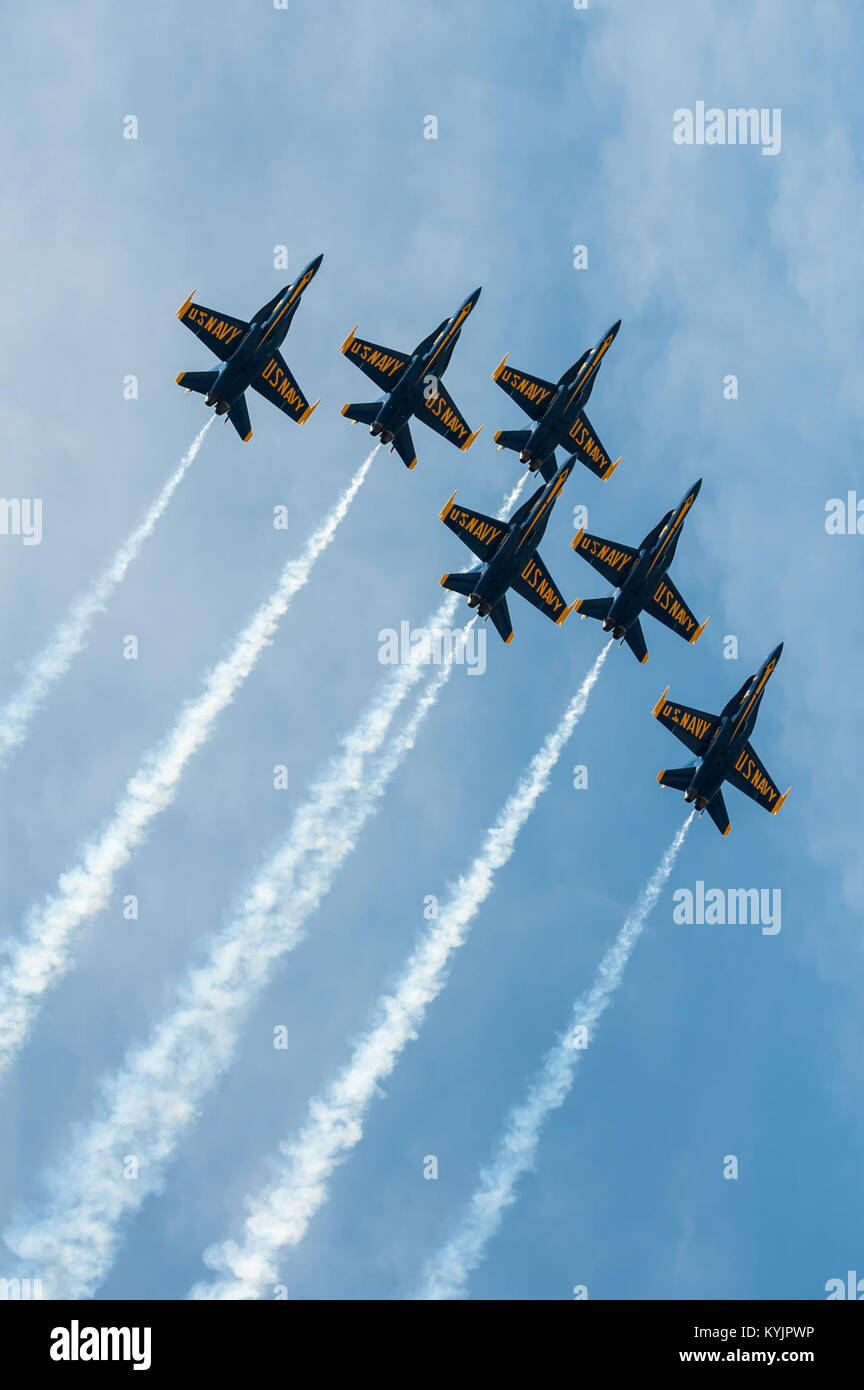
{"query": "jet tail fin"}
[(593, 608), (678, 778), (239, 417), (635, 639), (364, 413), (404, 446), (197, 381), (716, 809)]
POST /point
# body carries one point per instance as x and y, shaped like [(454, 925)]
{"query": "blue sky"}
[(304, 128)]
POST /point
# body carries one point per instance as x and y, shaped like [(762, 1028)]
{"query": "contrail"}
[(447, 1274), (55, 659), (43, 954), (280, 1214), (150, 1103)]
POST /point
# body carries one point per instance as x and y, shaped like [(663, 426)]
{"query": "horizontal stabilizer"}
[(716, 809), (364, 413), (512, 439), (239, 417), (593, 608), (464, 583), (404, 446), (678, 778), (500, 616), (635, 639), (197, 381)]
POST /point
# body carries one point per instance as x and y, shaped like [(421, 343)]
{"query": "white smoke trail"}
[(447, 1274), (279, 1215), (43, 954), (55, 660), (150, 1103)]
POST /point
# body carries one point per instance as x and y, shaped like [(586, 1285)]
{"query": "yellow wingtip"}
[(470, 440), (727, 831), (660, 776), (780, 802), (574, 544), (499, 369), (660, 702), (349, 340), (445, 511), (247, 437), (185, 305), (180, 380), (644, 659), (698, 633), (508, 640)]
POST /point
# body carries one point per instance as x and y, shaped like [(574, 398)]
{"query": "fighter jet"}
[(642, 583), (250, 356), (558, 414), (723, 753), (509, 557), (412, 385)]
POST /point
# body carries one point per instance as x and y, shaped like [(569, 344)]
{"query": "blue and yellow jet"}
[(508, 551), (250, 356), (558, 412), (642, 583), (722, 748), (412, 385)]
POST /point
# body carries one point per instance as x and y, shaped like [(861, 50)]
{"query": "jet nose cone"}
[(694, 491), (775, 655), (613, 331), (472, 298), (314, 265)]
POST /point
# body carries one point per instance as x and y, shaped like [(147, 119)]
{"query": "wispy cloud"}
[(279, 1215), (54, 661), (448, 1272)]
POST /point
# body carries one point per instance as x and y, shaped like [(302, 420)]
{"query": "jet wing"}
[(482, 534), (582, 440), (668, 607), (220, 332), (613, 561), (440, 414), (750, 777), (276, 384), (382, 365), (531, 393), (535, 583), (694, 727)]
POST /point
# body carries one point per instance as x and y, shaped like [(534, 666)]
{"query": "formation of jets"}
[(412, 388)]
